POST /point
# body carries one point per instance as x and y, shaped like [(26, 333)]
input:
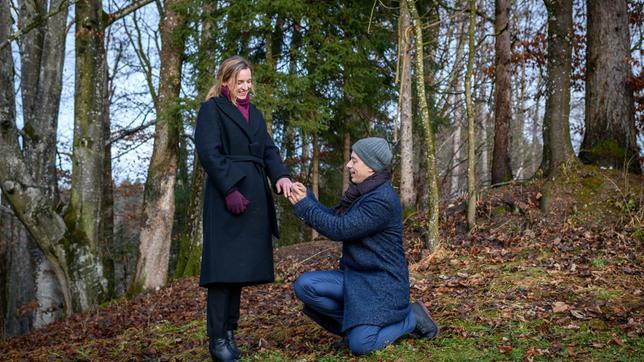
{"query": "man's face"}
[(358, 170)]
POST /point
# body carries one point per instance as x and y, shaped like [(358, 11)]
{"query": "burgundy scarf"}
[(242, 104), (356, 190)]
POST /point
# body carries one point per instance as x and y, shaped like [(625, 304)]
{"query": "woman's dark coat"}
[(376, 278), (237, 154)]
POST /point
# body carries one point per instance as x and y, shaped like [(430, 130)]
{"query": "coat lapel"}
[(233, 113)]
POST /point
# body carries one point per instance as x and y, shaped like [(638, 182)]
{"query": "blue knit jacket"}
[(376, 279)]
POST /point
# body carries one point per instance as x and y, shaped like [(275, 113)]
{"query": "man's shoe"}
[(220, 350), (232, 343), (425, 326)]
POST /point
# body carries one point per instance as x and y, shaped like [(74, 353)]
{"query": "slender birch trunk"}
[(471, 130), (407, 191), (433, 237)]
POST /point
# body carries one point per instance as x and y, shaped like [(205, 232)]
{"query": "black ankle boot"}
[(220, 350), (232, 343), (425, 326)]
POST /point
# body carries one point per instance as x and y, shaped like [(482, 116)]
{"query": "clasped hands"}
[(293, 191)]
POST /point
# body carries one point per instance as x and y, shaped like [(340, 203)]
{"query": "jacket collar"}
[(250, 127)]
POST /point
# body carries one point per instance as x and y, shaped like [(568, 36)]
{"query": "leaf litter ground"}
[(523, 286)]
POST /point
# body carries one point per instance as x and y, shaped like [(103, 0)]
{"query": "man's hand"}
[(298, 192), (284, 185)]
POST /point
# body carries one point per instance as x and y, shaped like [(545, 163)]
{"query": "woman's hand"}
[(284, 185), (298, 192), (236, 202)]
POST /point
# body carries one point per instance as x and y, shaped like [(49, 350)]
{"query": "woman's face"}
[(358, 170), (242, 85)]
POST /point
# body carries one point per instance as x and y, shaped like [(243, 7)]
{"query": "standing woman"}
[(239, 218)]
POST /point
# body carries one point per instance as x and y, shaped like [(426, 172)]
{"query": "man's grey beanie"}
[(374, 152)]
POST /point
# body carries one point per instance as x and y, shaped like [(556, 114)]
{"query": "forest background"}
[(101, 187)]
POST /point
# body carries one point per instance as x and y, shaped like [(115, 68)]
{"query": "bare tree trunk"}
[(407, 190), (191, 242), (471, 133), (270, 61), (158, 204), (519, 154), (19, 297), (452, 109), (501, 170), (433, 237), (7, 75), (30, 188), (89, 141), (536, 148), (481, 111), (42, 53), (306, 151), (4, 246), (107, 224), (346, 155), (42, 56), (315, 174), (84, 215), (7, 121), (557, 146), (33, 209), (456, 157), (482, 122), (422, 183), (610, 137), (274, 40), (70, 244)]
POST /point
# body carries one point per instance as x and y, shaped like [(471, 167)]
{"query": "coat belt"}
[(246, 158), (259, 165)]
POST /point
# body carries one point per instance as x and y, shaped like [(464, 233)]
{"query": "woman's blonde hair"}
[(228, 71)]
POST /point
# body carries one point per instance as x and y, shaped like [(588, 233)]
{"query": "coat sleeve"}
[(369, 218), (220, 170), (328, 210)]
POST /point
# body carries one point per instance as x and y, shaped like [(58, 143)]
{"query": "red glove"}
[(236, 202)]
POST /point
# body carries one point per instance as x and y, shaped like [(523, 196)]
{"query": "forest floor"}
[(523, 286)]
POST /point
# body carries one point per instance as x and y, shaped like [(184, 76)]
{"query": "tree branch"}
[(117, 15), (144, 60), (127, 132), (38, 21)]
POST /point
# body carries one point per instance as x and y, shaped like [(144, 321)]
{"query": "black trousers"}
[(222, 310)]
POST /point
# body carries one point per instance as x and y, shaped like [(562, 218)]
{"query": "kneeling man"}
[(367, 300)]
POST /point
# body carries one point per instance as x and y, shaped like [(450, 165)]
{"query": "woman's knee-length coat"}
[(237, 154)]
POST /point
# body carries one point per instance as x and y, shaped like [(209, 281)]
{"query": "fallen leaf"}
[(571, 351), (577, 314), (617, 340), (560, 307)]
